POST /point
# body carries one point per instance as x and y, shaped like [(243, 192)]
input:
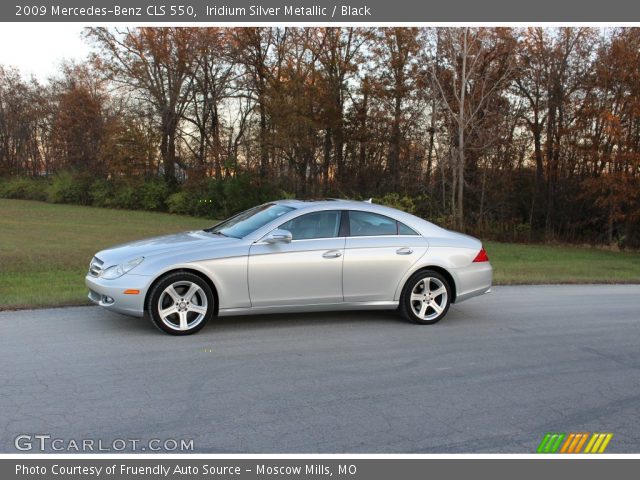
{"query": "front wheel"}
[(425, 297), (181, 303)]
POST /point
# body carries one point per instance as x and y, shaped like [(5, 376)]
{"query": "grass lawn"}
[(515, 264), (45, 251)]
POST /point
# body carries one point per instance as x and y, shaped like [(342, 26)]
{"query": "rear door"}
[(378, 252)]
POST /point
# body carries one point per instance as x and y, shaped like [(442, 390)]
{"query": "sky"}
[(38, 49)]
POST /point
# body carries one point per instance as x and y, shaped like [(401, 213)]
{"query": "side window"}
[(362, 224), (314, 225), (404, 230)]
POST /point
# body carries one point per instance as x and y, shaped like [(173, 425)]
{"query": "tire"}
[(416, 304), (181, 303)]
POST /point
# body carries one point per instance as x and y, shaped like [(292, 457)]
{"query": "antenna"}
[(369, 200)]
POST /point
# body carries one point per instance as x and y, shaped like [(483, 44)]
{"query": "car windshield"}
[(249, 221)]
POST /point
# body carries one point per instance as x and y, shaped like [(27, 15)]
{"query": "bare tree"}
[(476, 65), (159, 64)]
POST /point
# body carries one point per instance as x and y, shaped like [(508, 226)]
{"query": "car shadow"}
[(289, 320), (455, 315), (307, 319)]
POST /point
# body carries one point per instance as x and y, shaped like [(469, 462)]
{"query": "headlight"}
[(117, 271)]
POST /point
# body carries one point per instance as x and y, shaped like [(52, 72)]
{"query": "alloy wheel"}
[(182, 305), (428, 298)]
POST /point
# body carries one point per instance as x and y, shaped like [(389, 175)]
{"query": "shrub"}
[(69, 188), (226, 197), (126, 196), (149, 194), (202, 198), (101, 193), (153, 193), (24, 188), (394, 200), (207, 197), (443, 220), (180, 203)]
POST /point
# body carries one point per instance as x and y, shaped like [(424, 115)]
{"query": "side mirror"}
[(278, 236)]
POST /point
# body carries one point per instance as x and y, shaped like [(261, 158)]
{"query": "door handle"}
[(332, 254), (404, 251)]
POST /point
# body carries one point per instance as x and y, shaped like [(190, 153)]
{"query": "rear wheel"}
[(181, 303), (425, 297)]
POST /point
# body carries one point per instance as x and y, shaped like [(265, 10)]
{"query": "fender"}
[(426, 261)]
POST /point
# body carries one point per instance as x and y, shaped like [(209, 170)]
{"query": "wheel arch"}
[(435, 268), (206, 278)]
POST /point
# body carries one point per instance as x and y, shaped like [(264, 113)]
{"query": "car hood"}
[(185, 241)]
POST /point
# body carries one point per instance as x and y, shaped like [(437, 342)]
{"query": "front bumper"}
[(110, 293)]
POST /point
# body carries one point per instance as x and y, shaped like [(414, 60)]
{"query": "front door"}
[(306, 271)]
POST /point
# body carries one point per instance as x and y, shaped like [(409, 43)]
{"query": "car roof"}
[(317, 202)]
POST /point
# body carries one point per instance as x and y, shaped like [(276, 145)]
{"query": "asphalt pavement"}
[(495, 375)]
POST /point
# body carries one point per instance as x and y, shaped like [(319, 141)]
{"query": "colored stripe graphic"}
[(551, 442), (590, 444), (598, 443), (581, 442), (570, 442), (605, 443), (543, 443), (573, 442)]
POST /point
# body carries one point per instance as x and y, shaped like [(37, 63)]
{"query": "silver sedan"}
[(293, 256)]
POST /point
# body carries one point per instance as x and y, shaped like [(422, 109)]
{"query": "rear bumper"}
[(110, 293), (474, 280)]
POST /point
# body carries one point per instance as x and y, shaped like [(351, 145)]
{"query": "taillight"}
[(481, 256)]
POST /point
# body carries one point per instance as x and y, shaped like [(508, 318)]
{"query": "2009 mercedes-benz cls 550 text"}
[(293, 256)]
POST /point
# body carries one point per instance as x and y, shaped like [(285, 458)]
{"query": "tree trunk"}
[(264, 152), (168, 149), (461, 125), (339, 136), (432, 131), (362, 155), (217, 143), (327, 159), (394, 147)]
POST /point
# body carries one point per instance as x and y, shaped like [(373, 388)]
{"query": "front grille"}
[(95, 267)]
